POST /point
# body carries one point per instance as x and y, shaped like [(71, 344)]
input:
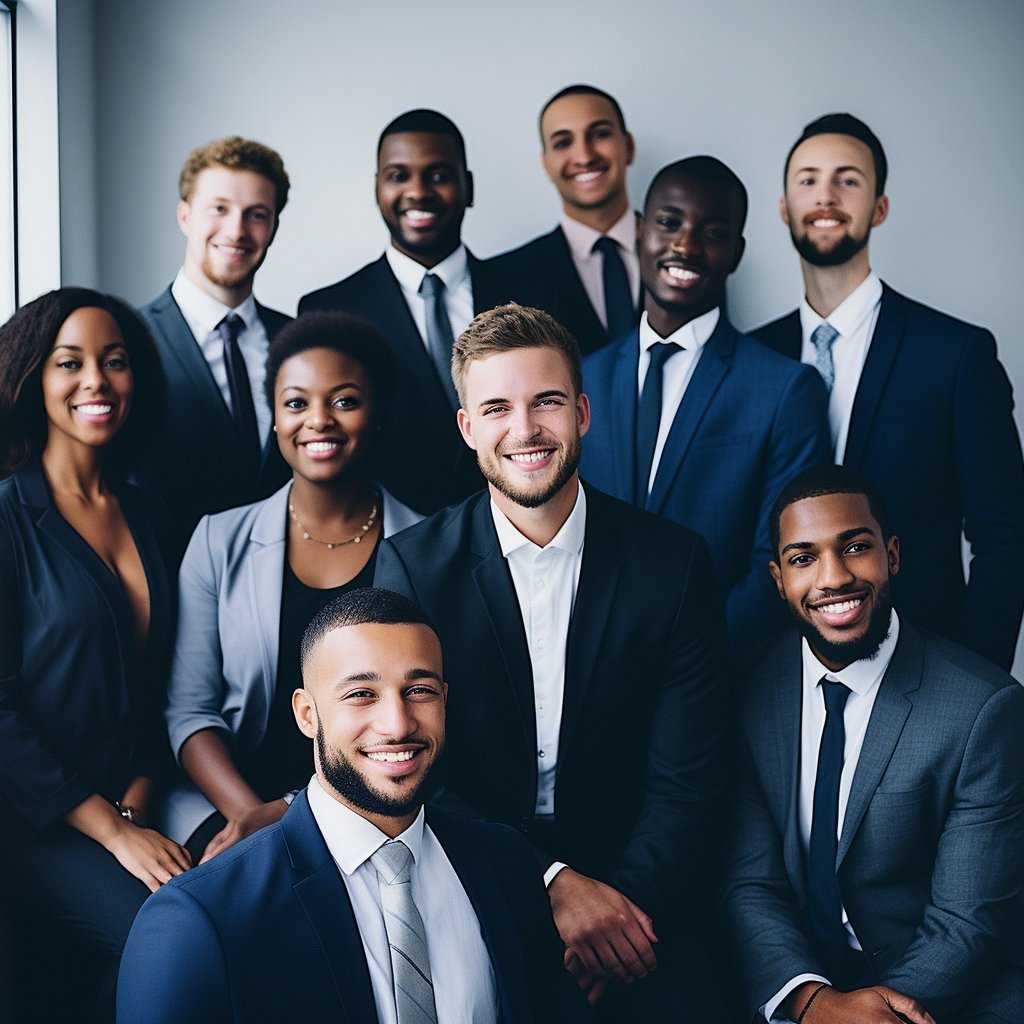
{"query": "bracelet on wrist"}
[(128, 812), (807, 1005)]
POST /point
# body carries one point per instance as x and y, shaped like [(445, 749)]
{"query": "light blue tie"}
[(822, 338), (410, 965)]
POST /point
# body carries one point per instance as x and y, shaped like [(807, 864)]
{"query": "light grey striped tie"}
[(410, 965), (822, 338)]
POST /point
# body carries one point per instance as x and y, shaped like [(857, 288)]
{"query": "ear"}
[(583, 414), (639, 229), (881, 211), (893, 551), (630, 148), (444, 693), (182, 216), (741, 245), (776, 572), (304, 711), (465, 428), (469, 189), (783, 212)]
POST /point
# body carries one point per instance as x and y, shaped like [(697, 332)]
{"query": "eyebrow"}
[(553, 393), (856, 531), (838, 170), (337, 387), (434, 165), (593, 124), (421, 673), (78, 348)]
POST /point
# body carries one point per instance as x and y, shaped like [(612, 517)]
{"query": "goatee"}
[(862, 647)]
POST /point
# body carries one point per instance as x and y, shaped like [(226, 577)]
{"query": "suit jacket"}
[(550, 256), (266, 931), (196, 468), (78, 715), (749, 422), (423, 460), (642, 720), (931, 857), (933, 426), (224, 670)]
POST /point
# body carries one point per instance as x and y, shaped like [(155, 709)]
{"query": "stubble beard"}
[(863, 647), (842, 252), (568, 461)]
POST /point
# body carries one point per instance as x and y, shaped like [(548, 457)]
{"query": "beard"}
[(865, 646), (441, 246), (842, 252), (567, 462), (343, 776)]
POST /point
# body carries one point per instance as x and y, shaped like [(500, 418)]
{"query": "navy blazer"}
[(637, 784), (196, 468), (932, 425), (77, 714), (423, 460), (266, 932), (931, 857), (749, 422)]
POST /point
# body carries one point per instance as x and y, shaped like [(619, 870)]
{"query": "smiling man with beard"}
[(693, 420), (918, 401), (877, 851), (357, 905)]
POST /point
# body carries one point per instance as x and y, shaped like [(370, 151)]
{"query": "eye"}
[(359, 697), (346, 402), (69, 364), (398, 176), (801, 559), (117, 363), (717, 235), (667, 223), (441, 177), (857, 546), (550, 401), (294, 403), (601, 133), (494, 408), (423, 691), (560, 143)]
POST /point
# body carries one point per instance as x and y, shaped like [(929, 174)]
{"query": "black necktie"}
[(824, 904), (648, 417), (618, 297), (242, 409), (440, 338)]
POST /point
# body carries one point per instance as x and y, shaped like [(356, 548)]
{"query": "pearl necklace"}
[(337, 543)]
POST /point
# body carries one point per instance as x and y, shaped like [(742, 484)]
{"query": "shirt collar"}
[(351, 838), (203, 309), (692, 335), (581, 237), (850, 314), (569, 538), (859, 676), (453, 269)]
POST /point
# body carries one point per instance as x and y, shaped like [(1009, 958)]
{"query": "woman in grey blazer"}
[(253, 577)]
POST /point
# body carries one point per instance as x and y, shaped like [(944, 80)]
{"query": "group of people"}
[(719, 730)]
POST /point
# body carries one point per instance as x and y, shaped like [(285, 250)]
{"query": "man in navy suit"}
[(918, 401), (355, 906), (721, 422), (218, 450), (591, 256), (877, 856), (421, 295)]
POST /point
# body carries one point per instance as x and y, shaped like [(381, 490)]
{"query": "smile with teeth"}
[(826, 222), (840, 607), (527, 457), (321, 446), (585, 177), (391, 755), (419, 218), (94, 410), (681, 274)]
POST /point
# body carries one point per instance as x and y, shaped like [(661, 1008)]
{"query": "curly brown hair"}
[(237, 154)]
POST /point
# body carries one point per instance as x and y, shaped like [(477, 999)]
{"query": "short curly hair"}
[(237, 154), (25, 341)]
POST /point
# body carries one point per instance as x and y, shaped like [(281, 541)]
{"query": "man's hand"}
[(238, 828), (606, 935), (876, 1005)]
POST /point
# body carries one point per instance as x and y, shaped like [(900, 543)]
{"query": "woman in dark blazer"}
[(253, 578), (85, 623)]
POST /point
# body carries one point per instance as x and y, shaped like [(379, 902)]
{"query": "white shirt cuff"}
[(769, 1008), (549, 875)]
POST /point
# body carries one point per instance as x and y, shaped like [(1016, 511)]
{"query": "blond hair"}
[(237, 154)]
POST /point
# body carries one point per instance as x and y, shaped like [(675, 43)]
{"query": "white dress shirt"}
[(862, 678), (460, 966), (590, 265), (676, 371), (202, 313), (458, 288), (854, 318)]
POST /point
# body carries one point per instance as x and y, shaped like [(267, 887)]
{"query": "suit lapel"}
[(889, 714), (787, 688), (712, 366), (623, 411), (324, 898), (487, 290), (573, 292), (885, 343), (494, 581)]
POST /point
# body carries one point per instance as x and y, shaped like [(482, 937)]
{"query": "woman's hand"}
[(238, 828)]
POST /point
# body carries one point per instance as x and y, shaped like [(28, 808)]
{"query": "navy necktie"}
[(440, 337), (824, 904), (648, 417), (620, 313), (242, 408)]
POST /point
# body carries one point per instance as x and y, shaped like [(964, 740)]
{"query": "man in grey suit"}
[(877, 856), (218, 450)]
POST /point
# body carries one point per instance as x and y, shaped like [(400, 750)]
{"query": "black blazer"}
[(423, 460), (266, 932), (195, 467), (642, 720), (931, 857), (549, 256), (933, 426), (77, 716)]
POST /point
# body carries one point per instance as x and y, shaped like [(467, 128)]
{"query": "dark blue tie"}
[(648, 416), (440, 337), (620, 313), (824, 904), (242, 409)]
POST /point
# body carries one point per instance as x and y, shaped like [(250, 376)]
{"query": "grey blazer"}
[(224, 667)]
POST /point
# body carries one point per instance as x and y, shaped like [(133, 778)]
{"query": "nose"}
[(825, 192), (393, 720), (582, 152), (234, 224), (92, 376), (686, 241), (523, 423), (833, 573), (317, 416)]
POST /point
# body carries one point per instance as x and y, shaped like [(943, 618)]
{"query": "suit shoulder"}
[(501, 842), (963, 671), (341, 294), (448, 526), (524, 254), (932, 326), (157, 305), (273, 320), (762, 358), (641, 531), (775, 331)]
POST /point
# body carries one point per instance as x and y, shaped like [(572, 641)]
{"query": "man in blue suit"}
[(877, 859), (918, 401), (354, 906), (721, 422)]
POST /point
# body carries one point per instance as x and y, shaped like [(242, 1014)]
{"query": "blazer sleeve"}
[(975, 901), (195, 691), (390, 572), (800, 438), (173, 966), (990, 474)]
